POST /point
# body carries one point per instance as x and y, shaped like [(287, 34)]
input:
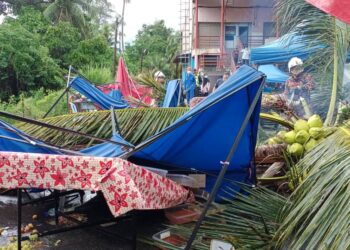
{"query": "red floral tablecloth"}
[(125, 186)]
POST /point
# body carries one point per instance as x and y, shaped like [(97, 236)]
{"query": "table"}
[(124, 185)]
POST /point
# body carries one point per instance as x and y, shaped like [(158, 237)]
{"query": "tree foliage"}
[(35, 52), (41, 38), (91, 51), (24, 63), (32, 20), (61, 39), (157, 45)]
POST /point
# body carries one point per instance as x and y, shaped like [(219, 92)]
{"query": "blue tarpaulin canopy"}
[(116, 94), (15, 140), (107, 149), (97, 96), (282, 50), (273, 74), (31, 145), (202, 138), (173, 94)]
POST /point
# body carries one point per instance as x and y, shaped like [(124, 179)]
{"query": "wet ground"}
[(97, 237)]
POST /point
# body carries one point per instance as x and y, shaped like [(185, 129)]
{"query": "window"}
[(269, 29), (231, 30)]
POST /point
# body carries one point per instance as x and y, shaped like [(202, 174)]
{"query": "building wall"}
[(255, 16), (251, 13)]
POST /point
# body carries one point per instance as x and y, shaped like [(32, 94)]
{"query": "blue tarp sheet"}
[(116, 94), (173, 94), (95, 95), (202, 138), (107, 149), (282, 50), (273, 74), (15, 146)]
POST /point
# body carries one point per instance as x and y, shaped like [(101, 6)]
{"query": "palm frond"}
[(136, 125), (318, 28), (147, 79), (277, 119), (318, 214), (248, 220), (51, 11)]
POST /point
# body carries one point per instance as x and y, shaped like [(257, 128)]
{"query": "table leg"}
[(134, 238), (56, 195), (19, 218)]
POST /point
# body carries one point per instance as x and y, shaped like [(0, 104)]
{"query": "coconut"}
[(310, 144), (296, 149), (281, 134), (289, 137), (273, 141), (302, 136), (301, 125), (316, 133), (315, 121)]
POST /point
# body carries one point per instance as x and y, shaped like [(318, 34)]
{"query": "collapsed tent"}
[(202, 138), (173, 94), (273, 74), (95, 95), (282, 50), (108, 149), (15, 140)]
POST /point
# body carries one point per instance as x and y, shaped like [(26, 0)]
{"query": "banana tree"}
[(318, 28)]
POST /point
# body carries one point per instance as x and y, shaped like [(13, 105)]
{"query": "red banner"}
[(338, 8), (128, 87)]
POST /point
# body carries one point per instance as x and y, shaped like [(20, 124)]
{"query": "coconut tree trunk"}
[(122, 27)]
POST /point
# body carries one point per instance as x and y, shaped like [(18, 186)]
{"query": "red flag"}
[(338, 8), (128, 87)]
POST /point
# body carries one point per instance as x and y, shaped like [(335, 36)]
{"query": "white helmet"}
[(159, 74), (295, 61)]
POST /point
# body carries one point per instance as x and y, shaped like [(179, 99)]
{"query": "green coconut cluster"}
[(305, 136)]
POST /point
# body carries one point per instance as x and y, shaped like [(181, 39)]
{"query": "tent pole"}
[(68, 84), (66, 151), (60, 97), (19, 218), (225, 166), (56, 102)]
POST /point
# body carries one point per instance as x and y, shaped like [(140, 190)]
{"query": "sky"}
[(139, 12)]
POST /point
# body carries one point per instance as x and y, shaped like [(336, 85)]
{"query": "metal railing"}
[(206, 42), (214, 62), (210, 42)]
